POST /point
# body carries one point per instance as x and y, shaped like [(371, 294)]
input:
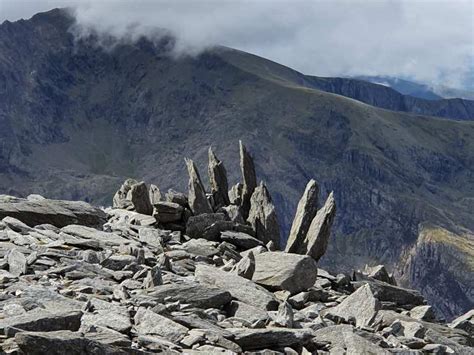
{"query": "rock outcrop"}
[(249, 179), (184, 281), (218, 181), (197, 199)]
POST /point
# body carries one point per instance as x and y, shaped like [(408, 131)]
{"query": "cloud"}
[(426, 40)]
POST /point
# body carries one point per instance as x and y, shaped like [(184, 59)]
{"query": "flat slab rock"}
[(56, 212), (250, 339), (240, 288), (285, 271)]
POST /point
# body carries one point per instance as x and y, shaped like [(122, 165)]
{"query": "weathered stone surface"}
[(233, 213), (400, 296), (43, 320), (104, 314), (104, 238), (154, 194), (196, 294), (305, 213), (241, 289), (263, 218), (201, 247), (17, 263), (249, 179), (166, 212), (285, 271), (379, 273), (464, 322), (284, 316), (197, 195), (16, 225), (246, 266), (235, 194), (56, 212), (361, 307), (120, 199), (153, 277), (218, 181), (424, 313), (148, 322), (319, 231), (197, 225), (250, 339), (343, 340), (63, 342), (140, 198), (245, 311), (241, 240)]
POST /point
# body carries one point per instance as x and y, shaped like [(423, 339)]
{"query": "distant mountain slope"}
[(373, 94), (415, 89), (76, 120)]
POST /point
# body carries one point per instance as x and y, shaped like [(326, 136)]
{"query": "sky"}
[(431, 41)]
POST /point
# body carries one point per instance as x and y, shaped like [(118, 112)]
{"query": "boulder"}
[(241, 240), (263, 218), (361, 306), (140, 198), (196, 294), (120, 199), (319, 231), (285, 271), (246, 266), (154, 194), (240, 288), (424, 313), (56, 212), (305, 213), (197, 225), (166, 212), (389, 293), (249, 179), (17, 263), (245, 311), (250, 339), (148, 322), (197, 195), (218, 181)]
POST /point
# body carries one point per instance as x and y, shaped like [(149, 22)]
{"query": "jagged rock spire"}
[(197, 195), (320, 229), (305, 213), (249, 178), (155, 194), (218, 181), (263, 218)]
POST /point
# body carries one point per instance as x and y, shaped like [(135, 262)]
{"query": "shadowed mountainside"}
[(76, 120)]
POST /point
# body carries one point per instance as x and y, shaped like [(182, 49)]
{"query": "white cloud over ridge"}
[(428, 40)]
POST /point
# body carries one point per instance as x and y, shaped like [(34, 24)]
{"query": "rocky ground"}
[(198, 272)]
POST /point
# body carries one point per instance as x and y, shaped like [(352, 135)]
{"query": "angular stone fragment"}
[(305, 213), (16, 225), (148, 322), (17, 263), (235, 194), (218, 181), (263, 218), (378, 272), (154, 194), (319, 231), (198, 295), (284, 317), (249, 179), (361, 306), (389, 293), (120, 199), (63, 342), (245, 311), (424, 313), (197, 195), (104, 314), (42, 320), (241, 289), (140, 198), (246, 266), (197, 225), (56, 212), (464, 322), (241, 240), (166, 212), (153, 278), (201, 247), (250, 339), (285, 271)]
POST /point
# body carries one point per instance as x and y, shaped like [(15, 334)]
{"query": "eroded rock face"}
[(140, 198), (197, 199), (218, 181), (249, 179), (305, 213), (263, 218), (285, 271)]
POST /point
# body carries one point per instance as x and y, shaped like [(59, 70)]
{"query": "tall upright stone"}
[(140, 198), (218, 181), (305, 213), (263, 218), (320, 229), (249, 178), (120, 198), (155, 194), (197, 195)]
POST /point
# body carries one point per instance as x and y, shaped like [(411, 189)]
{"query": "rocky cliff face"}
[(77, 120), (191, 273)]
